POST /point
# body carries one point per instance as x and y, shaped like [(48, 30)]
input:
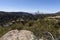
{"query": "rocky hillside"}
[(6, 18), (39, 24)]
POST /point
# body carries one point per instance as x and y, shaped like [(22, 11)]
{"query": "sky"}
[(45, 6)]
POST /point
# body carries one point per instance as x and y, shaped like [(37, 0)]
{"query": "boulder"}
[(18, 35)]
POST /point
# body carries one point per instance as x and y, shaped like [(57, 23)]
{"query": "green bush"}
[(36, 26)]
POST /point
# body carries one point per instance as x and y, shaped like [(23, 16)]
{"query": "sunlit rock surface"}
[(18, 35)]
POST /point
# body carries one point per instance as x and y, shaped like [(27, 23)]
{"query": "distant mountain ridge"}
[(6, 17), (10, 16)]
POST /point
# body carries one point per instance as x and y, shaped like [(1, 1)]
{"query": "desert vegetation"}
[(37, 23)]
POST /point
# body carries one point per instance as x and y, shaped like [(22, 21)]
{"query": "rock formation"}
[(18, 35)]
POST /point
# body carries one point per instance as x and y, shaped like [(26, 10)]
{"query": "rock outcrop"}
[(18, 35)]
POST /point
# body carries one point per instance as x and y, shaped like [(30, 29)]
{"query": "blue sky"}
[(45, 6)]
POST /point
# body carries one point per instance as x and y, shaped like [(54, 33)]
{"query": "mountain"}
[(6, 17)]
